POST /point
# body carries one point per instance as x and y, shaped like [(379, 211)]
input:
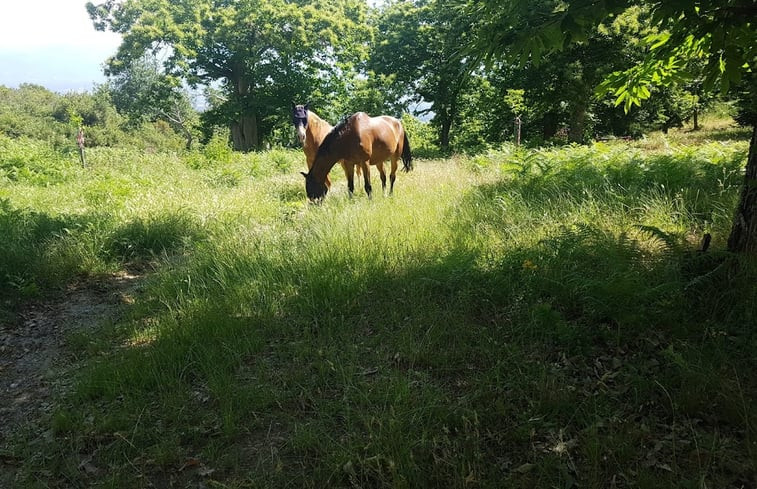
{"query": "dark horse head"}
[(300, 120), (316, 190)]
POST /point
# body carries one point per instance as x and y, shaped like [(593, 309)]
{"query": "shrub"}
[(33, 162), (218, 150)]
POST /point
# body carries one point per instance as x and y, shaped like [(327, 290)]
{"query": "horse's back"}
[(365, 138), (386, 135), (383, 122)]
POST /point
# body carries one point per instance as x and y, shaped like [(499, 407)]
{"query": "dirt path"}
[(33, 357)]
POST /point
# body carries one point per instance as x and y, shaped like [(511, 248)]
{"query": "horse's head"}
[(316, 190), (300, 120)]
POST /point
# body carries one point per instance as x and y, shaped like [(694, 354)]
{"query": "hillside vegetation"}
[(519, 318)]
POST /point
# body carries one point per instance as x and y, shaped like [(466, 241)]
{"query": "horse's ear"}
[(293, 105), (307, 105), (304, 174)]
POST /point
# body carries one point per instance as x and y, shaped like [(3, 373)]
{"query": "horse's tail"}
[(407, 157)]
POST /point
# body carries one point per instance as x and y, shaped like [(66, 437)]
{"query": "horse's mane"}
[(333, 136), (319, 125)]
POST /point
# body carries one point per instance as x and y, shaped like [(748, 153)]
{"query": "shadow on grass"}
[(443, 370), (165, 234), (39, 252), (25, 237)]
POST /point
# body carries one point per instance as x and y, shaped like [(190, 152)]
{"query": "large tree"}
[(419, 43), (716, 33), (262, 53)]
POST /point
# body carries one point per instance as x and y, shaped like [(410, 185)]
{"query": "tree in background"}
[(718, 32), (515, 101), (419, 43), (560, 91), (142, 93), (262, 53), (373, 93)]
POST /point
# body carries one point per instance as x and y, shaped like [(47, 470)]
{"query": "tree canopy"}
[(719, 32), (259, 52)]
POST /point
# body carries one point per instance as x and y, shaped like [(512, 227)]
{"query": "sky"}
[(52, 43)]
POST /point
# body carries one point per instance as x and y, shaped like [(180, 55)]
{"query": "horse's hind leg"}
[(367, 177), (380, 166), (393, 174), (349, 172)]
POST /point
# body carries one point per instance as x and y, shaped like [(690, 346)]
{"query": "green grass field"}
[(532, 318)]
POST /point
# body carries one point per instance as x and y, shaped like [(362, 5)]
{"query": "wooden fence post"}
[(517, 130), (80, 142)]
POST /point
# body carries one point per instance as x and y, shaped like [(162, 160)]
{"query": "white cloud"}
[(31, 25), (52, 43)]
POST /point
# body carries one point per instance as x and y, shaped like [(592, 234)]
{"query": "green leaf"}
[(656, 41)]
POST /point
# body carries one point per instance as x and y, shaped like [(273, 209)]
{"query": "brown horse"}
[(311, 130), (359, 140)]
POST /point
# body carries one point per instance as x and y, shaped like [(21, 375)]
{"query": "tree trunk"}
[(244, 133), (444, 134), (577, 125), (549, 125), (517, 130), (743, 238), (696, 117), (188, 137), (177, 120)]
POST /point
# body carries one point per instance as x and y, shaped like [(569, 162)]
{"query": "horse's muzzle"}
[(301, 134)]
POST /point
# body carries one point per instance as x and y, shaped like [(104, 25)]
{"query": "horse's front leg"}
[(367, 177)]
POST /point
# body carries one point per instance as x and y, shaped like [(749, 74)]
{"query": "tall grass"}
[(516, 319), (59, 219)]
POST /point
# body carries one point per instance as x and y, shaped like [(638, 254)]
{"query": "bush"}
[(33, 162), (422, 137), (36, 113), (218, 150)]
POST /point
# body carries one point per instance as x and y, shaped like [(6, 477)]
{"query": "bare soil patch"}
[(33, 356)]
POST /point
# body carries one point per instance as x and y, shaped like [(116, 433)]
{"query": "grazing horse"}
[(311, 130), (359, 140)]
